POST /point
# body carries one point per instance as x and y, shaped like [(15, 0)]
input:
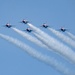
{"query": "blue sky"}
[(56, 13)]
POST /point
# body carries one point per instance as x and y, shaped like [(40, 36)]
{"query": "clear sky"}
[(56, 13)]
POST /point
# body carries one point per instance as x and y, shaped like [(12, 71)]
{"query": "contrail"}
[(65, 51), (63, 37), (54, 44), (32, 52), (30, 38), (71, 35), (38, 31)]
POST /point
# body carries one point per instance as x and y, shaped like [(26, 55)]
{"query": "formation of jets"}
[(29, 30)]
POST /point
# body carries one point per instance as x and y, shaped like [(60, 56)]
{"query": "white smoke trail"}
[(71, 35), (54, 44), (63, 37), (30, 38), (38, 31), (46, 59)]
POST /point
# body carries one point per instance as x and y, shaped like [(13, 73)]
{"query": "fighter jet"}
[(45, 25), (28, 30), (24, 21), (63, 29), (8, 25)]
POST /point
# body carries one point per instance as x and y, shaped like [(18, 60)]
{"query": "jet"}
[(8, 25), (28, 30), (24, 21), (63, 29), (45, 25)]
